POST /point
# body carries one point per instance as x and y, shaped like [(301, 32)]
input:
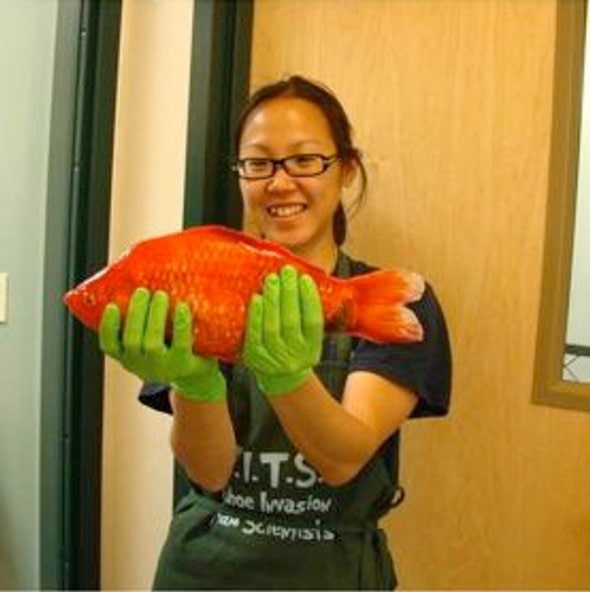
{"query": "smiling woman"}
[(296, 395), (282, 206), (298, 138)]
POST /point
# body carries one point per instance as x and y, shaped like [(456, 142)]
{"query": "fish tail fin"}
[(379, 307)]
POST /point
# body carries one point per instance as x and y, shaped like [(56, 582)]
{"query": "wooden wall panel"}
[(451, 101)]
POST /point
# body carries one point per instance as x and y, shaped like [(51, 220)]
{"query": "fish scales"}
[(216, 271), (193, 277)]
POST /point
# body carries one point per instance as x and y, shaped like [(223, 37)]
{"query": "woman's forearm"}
[(336, 438), (203, 441), (333, 441)]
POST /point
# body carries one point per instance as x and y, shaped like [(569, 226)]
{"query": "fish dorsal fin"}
[(226, 233), (259, 245)]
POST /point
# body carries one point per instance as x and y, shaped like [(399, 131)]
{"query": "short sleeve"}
[(155, 395), (424, 367)]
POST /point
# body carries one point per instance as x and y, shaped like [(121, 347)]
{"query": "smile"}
[(286, 210)]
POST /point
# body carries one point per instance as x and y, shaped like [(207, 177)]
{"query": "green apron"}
[(277, 525)]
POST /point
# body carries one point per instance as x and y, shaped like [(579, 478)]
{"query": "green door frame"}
[(77, 233), (81, 146)]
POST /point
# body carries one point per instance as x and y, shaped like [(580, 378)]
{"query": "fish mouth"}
[(79, 303), (285, 210)]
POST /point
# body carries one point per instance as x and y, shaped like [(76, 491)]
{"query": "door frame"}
[(76, 245)]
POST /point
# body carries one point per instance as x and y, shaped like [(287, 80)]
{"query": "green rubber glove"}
[(142, 348), (284, 332)]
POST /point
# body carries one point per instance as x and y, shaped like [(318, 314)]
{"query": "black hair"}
[(328, 103)]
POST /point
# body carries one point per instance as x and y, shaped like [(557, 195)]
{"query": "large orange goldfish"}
[(217, 270)]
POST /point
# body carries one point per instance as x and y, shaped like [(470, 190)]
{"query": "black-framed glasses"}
[(296, 165)]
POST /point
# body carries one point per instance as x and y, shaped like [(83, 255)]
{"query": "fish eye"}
[(89, 299)]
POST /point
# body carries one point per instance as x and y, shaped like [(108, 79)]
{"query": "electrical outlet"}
[(3, 297)]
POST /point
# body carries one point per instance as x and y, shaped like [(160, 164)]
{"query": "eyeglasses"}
[(297, 165)]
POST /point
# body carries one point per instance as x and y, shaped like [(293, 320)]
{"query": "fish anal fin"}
[(390, 324)]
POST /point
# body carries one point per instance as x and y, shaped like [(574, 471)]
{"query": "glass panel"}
[(577, 347)]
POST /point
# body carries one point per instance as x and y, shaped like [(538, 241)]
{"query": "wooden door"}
[(451, 102)]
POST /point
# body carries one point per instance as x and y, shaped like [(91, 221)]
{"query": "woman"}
[(292, 454)]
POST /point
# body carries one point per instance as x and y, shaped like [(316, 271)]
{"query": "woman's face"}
[(294, 211)]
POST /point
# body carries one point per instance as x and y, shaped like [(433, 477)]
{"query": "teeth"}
[(283, 211)]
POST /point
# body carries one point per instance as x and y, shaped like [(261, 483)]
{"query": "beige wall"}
[(148, 194), (452, 105)]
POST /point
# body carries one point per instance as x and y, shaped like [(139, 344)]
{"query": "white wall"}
[(27, 39), (578, 331), (147, 199)]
